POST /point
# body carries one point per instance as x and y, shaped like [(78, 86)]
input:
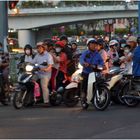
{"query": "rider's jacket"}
[(136, 62), (93, 58)]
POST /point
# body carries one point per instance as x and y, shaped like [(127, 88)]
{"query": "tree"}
[(32, 4)]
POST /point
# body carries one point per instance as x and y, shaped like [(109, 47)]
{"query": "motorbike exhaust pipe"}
[(131, 97)]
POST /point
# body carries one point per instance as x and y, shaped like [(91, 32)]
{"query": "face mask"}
[(58, 50), (126, 51), (28, 52), (122, 45)]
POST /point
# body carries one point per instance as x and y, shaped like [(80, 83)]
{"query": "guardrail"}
[(75, 9)]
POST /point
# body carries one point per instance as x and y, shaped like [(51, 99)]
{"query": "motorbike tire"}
[(104, 98), (71, 97), (55, 99), (84, 105), (129, 102), (18, 102), (116, 93)]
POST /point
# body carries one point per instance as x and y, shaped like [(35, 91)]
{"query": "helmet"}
[(40, 44), (132, 39), (63, 37), (59, 44), (113, 42), (122, 41), (91, 40), (28, 46), (100, 41)]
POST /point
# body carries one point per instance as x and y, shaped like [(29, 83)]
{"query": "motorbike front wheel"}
[(130, 102), (55, 99), (71, 98), (101, 98), (18, 99)]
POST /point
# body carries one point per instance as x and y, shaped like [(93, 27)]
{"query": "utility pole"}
[(4, 24), (139, 17)]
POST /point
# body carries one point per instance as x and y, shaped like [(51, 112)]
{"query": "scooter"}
[(131, 90), (28, 91), (73, 89), (116, 84), (97, 92)]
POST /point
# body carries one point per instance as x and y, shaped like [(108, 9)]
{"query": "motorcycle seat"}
[(128, 76), (108, 77), (136, 79)]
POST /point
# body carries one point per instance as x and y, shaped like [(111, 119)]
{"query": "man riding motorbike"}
[(89, 57)]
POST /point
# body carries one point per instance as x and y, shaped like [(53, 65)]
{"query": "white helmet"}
[(91, 40), (113, 42)]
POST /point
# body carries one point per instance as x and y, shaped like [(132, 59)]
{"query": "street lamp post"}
[(4, 24)]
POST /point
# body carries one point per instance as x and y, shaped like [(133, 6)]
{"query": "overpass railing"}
[(75, 9)]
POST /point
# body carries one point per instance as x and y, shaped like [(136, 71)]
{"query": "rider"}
[(136, 60), (45, 71), (4, 63), (28, 56), (89, 57), (104, 55)]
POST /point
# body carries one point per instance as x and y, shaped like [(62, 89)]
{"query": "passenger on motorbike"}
[(126, 61), (103, 53), (89, 57), (45, 71), (112, 53), (63, 60)]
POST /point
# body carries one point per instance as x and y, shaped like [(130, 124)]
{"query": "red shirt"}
[(63, 62)]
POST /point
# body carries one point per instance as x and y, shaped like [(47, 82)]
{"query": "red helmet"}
[(59, 44)]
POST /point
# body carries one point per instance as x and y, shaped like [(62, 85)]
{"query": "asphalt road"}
[(69, 123)]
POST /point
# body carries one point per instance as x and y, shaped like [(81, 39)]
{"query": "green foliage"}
[(70, 32), (31, 4), (122, 31), (96, 32)]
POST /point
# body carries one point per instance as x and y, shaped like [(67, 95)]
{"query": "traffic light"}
[(12, 4)]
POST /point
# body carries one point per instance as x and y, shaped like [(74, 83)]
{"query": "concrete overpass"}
[(27, 19)]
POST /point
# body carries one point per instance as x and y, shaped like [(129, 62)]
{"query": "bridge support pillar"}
[(4, 24), (26, 37)]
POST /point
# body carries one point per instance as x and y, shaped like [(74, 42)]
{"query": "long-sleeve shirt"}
[(93, 58), (136, 62)]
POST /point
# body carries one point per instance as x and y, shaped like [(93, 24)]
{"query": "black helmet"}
[(63, 37), (100, 41), (122, 41), (28, 46)]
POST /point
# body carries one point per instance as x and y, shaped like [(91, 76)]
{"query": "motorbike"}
[(73, 89), (131, 90), (116, 84), (28, 91), (97, 92)]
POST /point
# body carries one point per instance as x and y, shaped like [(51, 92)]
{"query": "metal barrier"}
[(13, 67)]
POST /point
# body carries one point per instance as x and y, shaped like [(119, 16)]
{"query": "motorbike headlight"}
[(76, 78), (29, 68)]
